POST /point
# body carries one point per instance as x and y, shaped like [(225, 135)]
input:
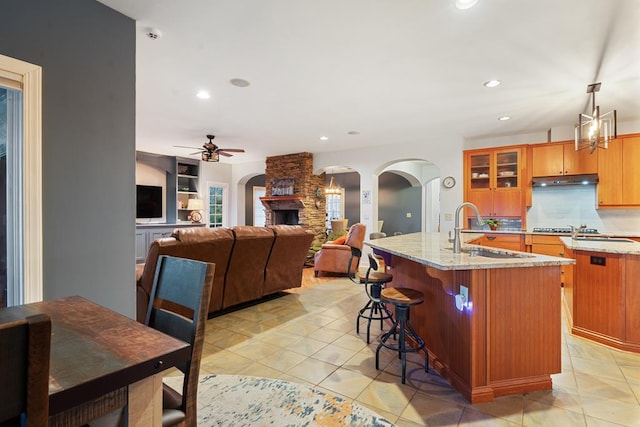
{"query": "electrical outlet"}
[(448, 217), (408, 214), (464, 291)]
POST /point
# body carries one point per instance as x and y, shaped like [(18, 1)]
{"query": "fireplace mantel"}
[(275, 201)]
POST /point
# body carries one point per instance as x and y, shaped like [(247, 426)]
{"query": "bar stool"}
[(373, 282), (402, 299)]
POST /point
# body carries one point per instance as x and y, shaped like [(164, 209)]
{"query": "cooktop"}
[(563, 230)]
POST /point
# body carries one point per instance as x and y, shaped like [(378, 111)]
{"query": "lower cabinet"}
[(552, 246), (146, 234), (512, 242)]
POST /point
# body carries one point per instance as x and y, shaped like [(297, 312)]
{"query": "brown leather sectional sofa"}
[(251, 262)]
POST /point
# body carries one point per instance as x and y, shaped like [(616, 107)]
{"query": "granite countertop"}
[(615, 246), (434, 250), (540, 233)]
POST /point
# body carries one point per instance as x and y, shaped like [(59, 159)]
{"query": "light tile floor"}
[(308, 336)]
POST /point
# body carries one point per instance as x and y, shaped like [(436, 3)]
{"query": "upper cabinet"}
[(494, 179), (557, 159), (619, 174)]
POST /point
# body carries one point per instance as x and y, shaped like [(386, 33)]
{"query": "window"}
[(335, 207), (217, 200)]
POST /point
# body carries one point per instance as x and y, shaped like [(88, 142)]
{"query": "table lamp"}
[(195, 206)]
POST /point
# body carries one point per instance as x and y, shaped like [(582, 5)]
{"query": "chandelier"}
[(333, 188), (596, 130)]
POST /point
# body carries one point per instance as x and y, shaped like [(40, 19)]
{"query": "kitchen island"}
[(506, 338), (603, 304)]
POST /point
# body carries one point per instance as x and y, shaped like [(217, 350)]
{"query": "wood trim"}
[(32, 197)]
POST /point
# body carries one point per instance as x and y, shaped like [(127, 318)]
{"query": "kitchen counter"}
[(612, 247), (603, 303), (506, 338), (434, 250)]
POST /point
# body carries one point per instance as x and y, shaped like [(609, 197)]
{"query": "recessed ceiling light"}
[(353, 132), (504, 118), (492, 83), (203, 94), (240, 82), (465, 4), (324, 138)]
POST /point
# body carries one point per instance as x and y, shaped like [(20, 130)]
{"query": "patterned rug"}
[(235, 401)]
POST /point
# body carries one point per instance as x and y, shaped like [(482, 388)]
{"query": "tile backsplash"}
[(576, 204)]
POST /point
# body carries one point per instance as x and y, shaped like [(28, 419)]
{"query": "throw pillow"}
[(340, 240)]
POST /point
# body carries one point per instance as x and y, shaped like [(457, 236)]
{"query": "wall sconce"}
[(595, 131), (195, 206)]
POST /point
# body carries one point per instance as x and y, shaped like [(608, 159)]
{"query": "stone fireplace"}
[(301, 201)]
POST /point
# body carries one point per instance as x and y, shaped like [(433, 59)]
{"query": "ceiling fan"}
[(210, 152)]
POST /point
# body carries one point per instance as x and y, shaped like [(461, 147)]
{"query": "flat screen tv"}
[(148, 201)]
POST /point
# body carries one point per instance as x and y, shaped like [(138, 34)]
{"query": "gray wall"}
[(87, 52), (256, 181), (396, 197)]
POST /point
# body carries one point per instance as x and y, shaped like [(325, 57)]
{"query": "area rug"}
[(235, 401)]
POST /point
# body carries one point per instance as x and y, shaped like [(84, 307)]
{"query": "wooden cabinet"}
[(187, 186), (494, 181), (513, 242), (562, 159), (619, 173), (552, 246)]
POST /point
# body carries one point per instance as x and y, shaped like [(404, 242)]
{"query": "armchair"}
[(334, 257)]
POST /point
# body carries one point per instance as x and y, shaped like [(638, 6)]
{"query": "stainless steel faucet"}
[(457, 227), (576, 230)]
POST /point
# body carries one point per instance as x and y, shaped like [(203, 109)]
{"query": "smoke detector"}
[(153, 33)]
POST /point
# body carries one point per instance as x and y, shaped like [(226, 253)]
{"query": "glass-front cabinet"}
[(493, 181)]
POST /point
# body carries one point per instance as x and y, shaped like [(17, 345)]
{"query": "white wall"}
[(447, 158), (575, 205)]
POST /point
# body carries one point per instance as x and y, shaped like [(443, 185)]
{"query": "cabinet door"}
[(610, 174), (507, 169), (479, 171), (578, 162), (630, 170), (483, 200), (141, 246), (507, 203), (509, 242), (547, 160)]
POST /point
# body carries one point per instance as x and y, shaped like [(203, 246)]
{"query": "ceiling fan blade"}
[(222, 153), (232, 150), (184, 146), (196, 152)]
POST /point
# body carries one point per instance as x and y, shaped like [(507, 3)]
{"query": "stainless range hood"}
[(556, 181)]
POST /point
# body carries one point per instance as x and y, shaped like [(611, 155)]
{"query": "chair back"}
[(24, 371), (355, 256), (178, 307)]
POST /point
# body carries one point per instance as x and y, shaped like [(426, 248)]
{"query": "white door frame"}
[(29, 78)]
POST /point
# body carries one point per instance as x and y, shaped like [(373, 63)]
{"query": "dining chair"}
[(24, 371), (179, 307)]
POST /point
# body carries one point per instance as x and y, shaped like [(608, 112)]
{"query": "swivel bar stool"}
[(402, 299), (373, 283)]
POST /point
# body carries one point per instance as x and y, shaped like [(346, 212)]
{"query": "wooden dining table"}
[(102, 361)]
